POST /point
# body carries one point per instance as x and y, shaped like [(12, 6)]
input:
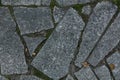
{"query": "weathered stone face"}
[(26, 2), (55, 56), (12, 58), (85, 74), (107, 43), (31, 20), (29, 77), (97, 23), (103, 73)]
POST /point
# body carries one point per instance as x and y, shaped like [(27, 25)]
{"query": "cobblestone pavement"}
[(59, 40)]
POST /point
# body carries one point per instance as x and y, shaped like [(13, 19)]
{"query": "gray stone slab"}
[(69, 77), (85, 74), (115, 59), (97, 23), (72, 2), (3, 78), (12, 60), (29, 77), (58, 13), (26, 2), (55, 56), (107, 43), (32, 20), (103, 73), (86, 10), (32, 43)]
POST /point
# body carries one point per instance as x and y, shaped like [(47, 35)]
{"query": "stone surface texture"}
[(62, 41), (97, 23), (31, 20)]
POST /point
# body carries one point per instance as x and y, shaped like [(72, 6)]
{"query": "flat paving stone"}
[(115, 59), (31, 20), (58, 13), (69, 77), (72, 2), (85, 74), (32, 43), (12, 60), (103, 73), (26, 2), (63, 41), (29, 77), (86, 10), (107, 43), (97, 23), (3, 78)]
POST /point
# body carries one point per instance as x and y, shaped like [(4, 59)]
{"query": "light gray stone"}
[(103, 73), (115, 59), (85, 74), (58, 13), (26, 2), (32, 43), (32, 20), (86, 10), (55, 56), (97, 23), (107, 43), (12, 60), (29, 77), (85, 1), (3, 78), (69, 77)]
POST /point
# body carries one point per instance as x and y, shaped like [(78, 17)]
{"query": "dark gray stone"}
[(26, 2), (32, 43), (3, 78), (103, 73), (107, 43), (12, 58), (69, 77), (115, 59), (58, 13), (55, 56), (97, 23), (86, 10), (32, 20), (85, 74), (29, 77)]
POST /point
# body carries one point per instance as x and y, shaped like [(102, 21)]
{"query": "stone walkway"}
[(59, 40)]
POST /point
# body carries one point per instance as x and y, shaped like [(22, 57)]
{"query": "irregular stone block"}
[(115, 59), (55, 56), (107, 43), (26, 2), (12, 58), (58, 13), (29, 77), (97, 23), (32, 43), (86, 10), (85, 74), (103, 73), (2, 78), (31, 20)]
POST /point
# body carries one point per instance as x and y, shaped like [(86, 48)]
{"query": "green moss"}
[(40, 74), (78, 7), (117, 2)]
